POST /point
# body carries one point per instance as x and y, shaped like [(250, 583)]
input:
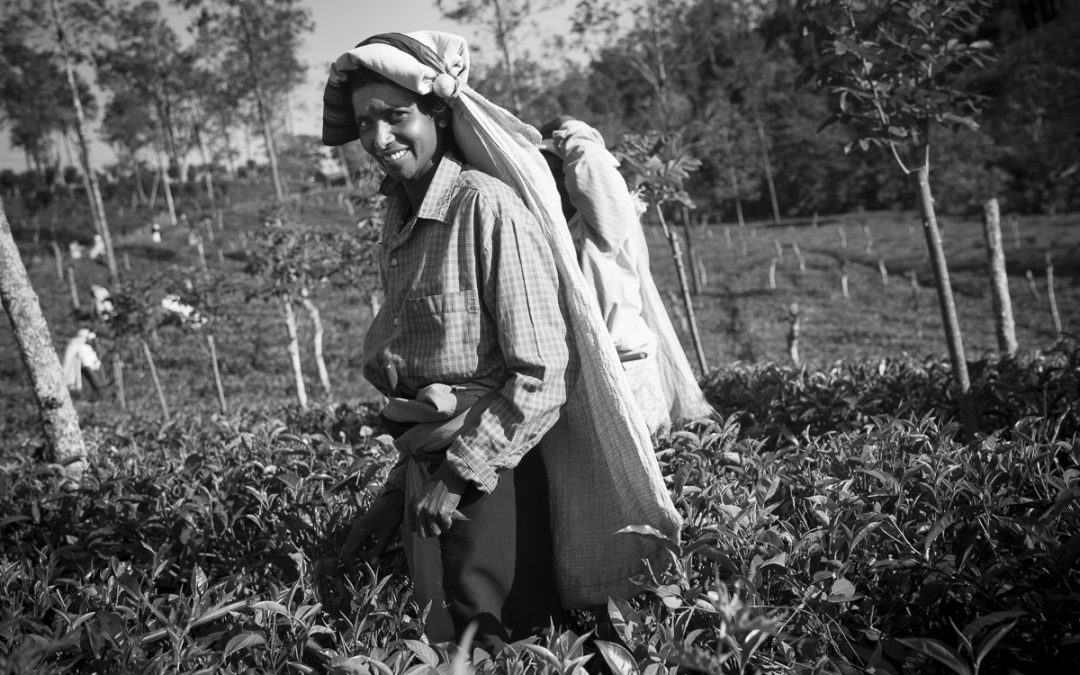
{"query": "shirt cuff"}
[(467, 463)]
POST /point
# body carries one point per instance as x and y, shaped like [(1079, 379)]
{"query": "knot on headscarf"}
[(446, 86)]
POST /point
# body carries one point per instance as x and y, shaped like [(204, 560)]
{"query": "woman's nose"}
[(383, 136)]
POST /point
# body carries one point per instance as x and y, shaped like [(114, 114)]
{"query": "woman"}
[(605, 224), (521, 457)]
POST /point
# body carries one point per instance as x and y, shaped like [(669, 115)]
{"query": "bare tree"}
[(58, 418)]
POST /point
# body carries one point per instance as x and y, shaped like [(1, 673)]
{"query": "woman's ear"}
[(441, 113)]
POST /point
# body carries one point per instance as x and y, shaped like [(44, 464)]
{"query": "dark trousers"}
[(498, 566)]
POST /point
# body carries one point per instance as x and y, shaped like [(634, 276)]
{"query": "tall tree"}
[(97, 206), (893, 66), (143, 64), (254, 44), (58, 418)]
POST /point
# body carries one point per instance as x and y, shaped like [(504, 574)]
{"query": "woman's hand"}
[(435, 508), (378, 524)]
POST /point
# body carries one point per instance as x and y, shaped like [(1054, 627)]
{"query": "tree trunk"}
[(207, 168), (317, 339), (217, 374), (676, 254), (58, 418), (738, 202), (73, 288), (999, 280), (294, 350), (94, 191), (157, 382), (58, 259), (166, 183), (695, 278), (768, 166), (140, 192), (954, 340), (153, 190)]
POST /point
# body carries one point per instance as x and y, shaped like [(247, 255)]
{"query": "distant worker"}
[(81, 363), (604, 221), (103, 304), (98, 247)]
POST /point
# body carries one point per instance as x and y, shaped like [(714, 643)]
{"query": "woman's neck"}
[(417, 188)]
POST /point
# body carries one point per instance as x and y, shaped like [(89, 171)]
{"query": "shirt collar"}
[(437, 198)]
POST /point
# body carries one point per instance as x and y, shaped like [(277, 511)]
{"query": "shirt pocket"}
[(441, 337)]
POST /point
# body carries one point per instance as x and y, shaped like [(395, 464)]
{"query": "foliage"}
[(859, 541), (658, 166), (892, 66), (293, 260)]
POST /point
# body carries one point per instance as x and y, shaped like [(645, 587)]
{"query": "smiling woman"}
[(506, 398)]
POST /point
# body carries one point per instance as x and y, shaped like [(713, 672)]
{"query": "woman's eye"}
[(398, 116), (363, 124)]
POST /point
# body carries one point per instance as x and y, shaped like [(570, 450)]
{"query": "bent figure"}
[(604, 221), (521, 453), (81, 363)]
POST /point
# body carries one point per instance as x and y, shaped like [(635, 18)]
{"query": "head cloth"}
[(600, 452)]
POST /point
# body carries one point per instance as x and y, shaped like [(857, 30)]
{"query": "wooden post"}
[(1032, 287), (869, 238), (1014, 225), (999, 280), (1050, 294), (219, 219), (727, 238), (220, 257), (73, 288), (772, 274), (118, 380), (843, 236), (58, 259), (217, 373), (814, 220), (794, 320), (127, 262), (156, 380), (676, 254), (844, 278), (883, 271), (779, 250), (799, 257)]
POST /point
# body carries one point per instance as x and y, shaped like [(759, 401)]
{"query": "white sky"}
[(339, 24)]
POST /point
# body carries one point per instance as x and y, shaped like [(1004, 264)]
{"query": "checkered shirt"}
[(472, 298)]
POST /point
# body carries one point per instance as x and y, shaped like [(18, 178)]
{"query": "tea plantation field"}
[(837, 520)]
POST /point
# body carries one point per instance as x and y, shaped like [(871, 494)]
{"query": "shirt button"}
[(395, 321), (393, 262)]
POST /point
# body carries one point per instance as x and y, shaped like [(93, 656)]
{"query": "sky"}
[(339, 25)]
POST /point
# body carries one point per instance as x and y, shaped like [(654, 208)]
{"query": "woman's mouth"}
[(394, 156)]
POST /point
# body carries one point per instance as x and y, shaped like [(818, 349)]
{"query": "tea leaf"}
[(617, 658), (241, 642), (939, 651)]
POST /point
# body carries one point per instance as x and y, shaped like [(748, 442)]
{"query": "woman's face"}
[(405, 141)]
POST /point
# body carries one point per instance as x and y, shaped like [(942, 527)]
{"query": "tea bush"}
[(836, 522)]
